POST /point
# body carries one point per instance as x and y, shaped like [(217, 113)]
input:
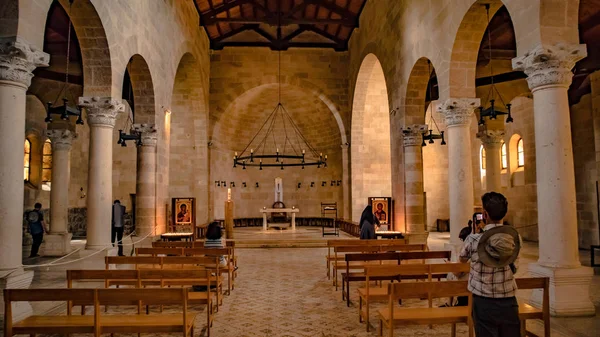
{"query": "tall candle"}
[(229, 194)]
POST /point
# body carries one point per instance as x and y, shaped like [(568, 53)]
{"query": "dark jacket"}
[(367, 224)]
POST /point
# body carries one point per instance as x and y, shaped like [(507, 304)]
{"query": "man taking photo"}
[(493, 253)]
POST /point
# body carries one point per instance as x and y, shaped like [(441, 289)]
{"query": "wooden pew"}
[(527, 311), (195, 244), (120, 277), (140, 323), (402, 256), (352, 242), (400, 272), (39, 324), (378, 258), (156, 251), (390, 316), (186, 278), (229, 269)]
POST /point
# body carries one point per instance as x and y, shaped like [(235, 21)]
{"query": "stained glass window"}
[(503, 154), (47, 162), (520, 153), (482, 155), (27, 161)]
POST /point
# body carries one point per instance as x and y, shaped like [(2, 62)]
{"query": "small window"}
[(482, 155), (503, 154), (520, 153), (27, 161), (47, 164)]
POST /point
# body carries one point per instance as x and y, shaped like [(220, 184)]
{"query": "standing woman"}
[(367, 224)]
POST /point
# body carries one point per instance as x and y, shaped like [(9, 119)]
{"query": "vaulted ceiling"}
[(279, 24)]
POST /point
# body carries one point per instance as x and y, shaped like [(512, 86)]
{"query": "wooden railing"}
[(349, 227)]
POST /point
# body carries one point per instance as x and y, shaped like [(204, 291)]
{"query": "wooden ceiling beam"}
[(276, 45), (343, 12), (293, 34), (224, 7), (324, 34), (284, 21), (234, 32)]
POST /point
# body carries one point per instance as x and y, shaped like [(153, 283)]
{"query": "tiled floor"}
[(285, 292)]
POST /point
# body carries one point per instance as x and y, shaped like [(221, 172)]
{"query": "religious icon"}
[(183, 209), (381, 209)]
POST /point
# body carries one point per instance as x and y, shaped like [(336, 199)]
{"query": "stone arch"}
[(416, 91), (143, 90), (465, 49), (238, 91), (241, 120), (188, 155), (559, 21), (370, 136), (95, 53)]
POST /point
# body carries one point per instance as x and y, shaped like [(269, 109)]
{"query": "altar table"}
[(279, 210)]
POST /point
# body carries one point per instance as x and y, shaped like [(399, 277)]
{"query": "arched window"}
[(503, 154), (27, 161), (482, 157), (47, 163), (520, 153)]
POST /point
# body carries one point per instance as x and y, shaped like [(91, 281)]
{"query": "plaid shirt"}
[(487, 281)]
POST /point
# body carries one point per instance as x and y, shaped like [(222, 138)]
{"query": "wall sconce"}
[(323, 183), (312, 184), (339, 182), (218, 183), (299, 184), (244, 184), (224, 183), (333, 183), (232, 184), (81, 194), (257, 184)]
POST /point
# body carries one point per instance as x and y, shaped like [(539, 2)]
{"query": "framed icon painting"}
[(382, 209), (183, 212)]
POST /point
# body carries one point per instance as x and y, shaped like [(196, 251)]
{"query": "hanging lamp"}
[(134, 136), (64, 110), (430, 136), (494, 110)]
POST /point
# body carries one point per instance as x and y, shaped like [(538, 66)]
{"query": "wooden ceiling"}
[(279, 24)]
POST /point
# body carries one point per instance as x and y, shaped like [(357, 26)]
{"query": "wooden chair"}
[(400, 272), (140, 323), (527, 311), (187, 278), (390, 316), (40, 324)]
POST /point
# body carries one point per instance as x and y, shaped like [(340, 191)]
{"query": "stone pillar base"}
[(18, 279), (416, 238), (56, 244), (569, 290), (455, 249)]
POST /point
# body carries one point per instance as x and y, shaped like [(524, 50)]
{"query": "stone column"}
[(58, 243), (145, 185), (459, 114), (101, 116), (549, 76), (413, 178), (17, 61), (346, 188), (492, 142)]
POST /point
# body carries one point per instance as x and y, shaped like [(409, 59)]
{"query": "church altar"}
[(264, 211)]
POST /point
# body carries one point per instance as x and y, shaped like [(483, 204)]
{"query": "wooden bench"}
[(527, 311), (98, 323), (196, 244), (367, 249), (390, 316), (187, 278), (351, 242), (229, 269), (400, 272), (156, 251), (378, 258)]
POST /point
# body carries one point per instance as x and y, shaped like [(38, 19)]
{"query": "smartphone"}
[(479, 216)]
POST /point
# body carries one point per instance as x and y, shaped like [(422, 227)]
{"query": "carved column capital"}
[(102, 111), (459, 111), (491, 138), (18, 59), (550, 65), (147, 132), (62, 139), (413, 134)]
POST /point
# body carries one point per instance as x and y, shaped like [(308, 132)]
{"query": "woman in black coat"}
[(367, 224)]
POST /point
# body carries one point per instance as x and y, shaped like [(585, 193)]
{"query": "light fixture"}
[(257, 184), (244, 184), (232, 184), (323, 183), (494, 109), (333, 183), (299, 184), (339, 182), (430, 136), (64, 110), (312, 184), (123, 138), (218, 183), (224, 183), (295, 148), (135, 136)]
